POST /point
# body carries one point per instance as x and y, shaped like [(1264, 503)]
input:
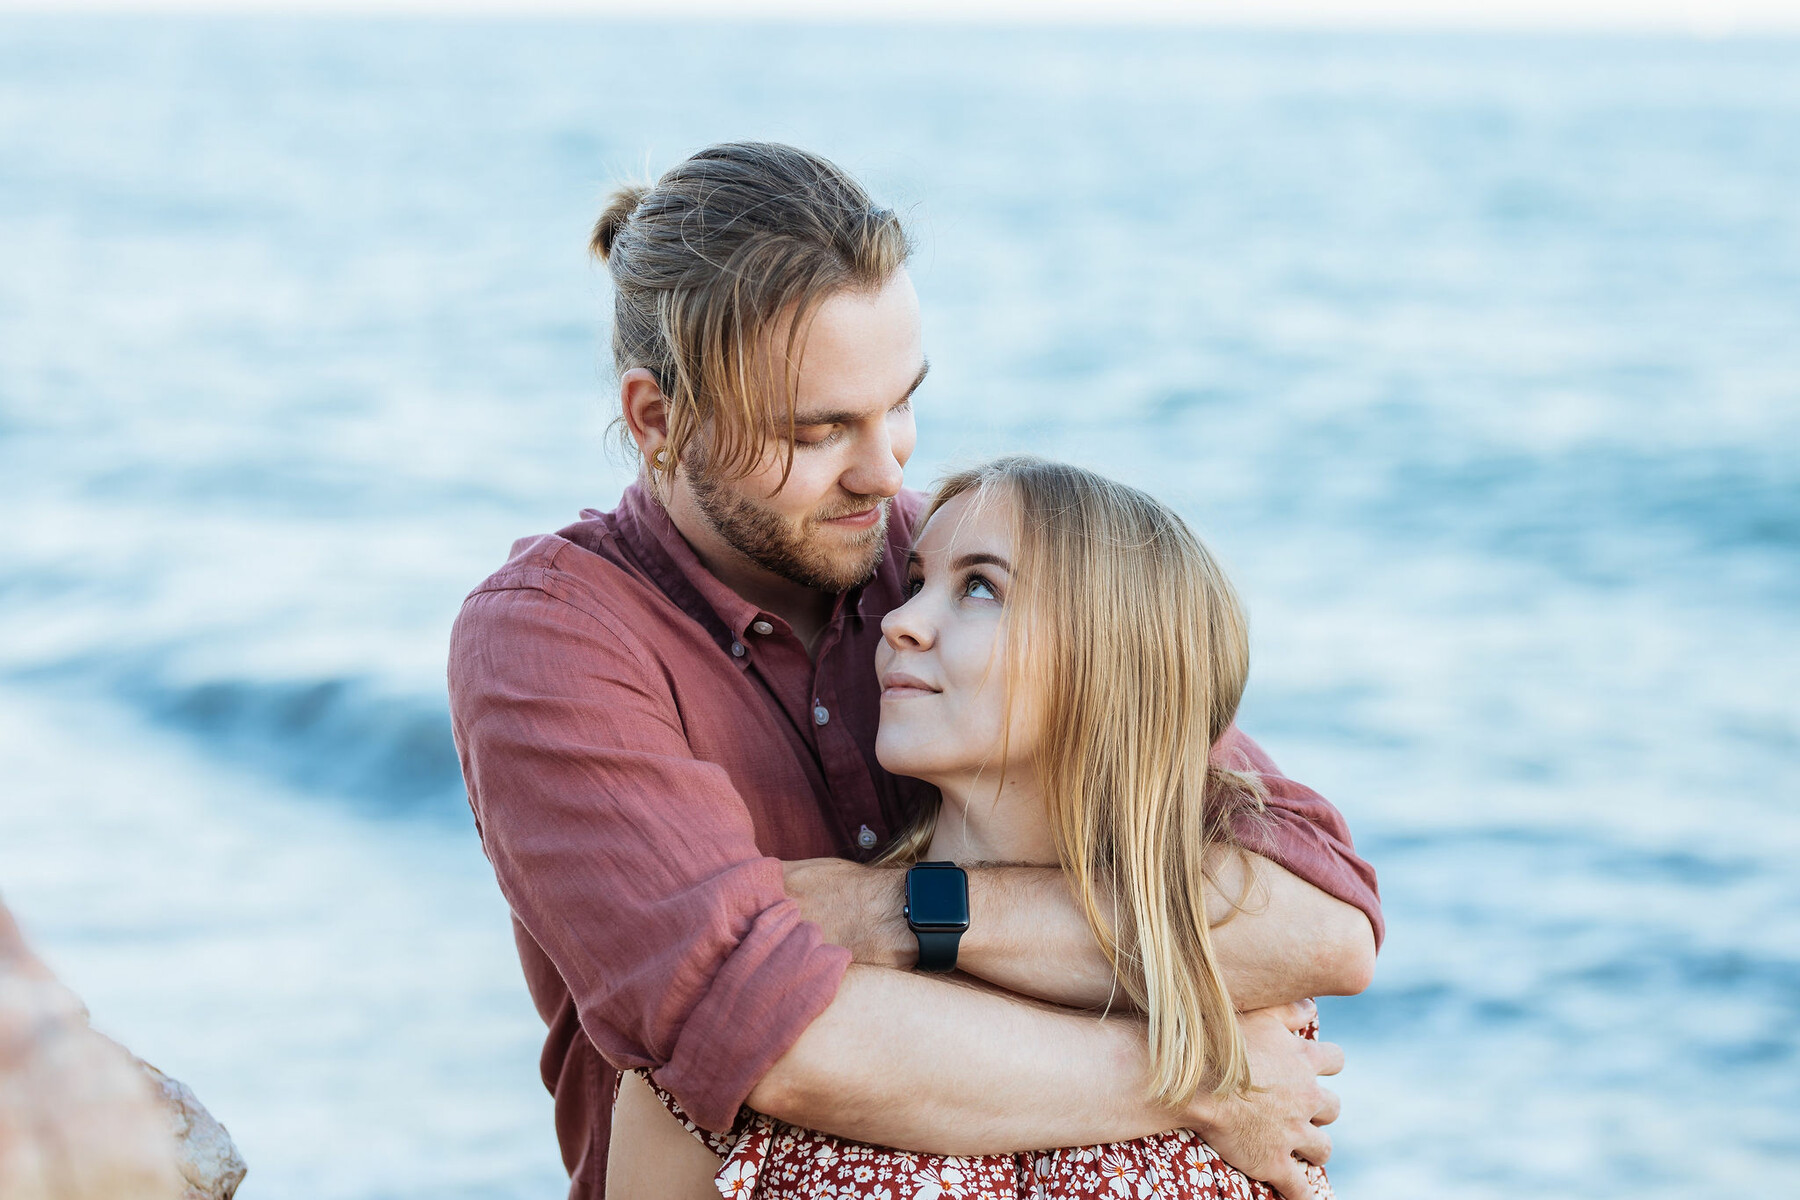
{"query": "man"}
[(666, 716)]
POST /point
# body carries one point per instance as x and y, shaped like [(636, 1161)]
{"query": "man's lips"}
[(858, 520), (899, 685)]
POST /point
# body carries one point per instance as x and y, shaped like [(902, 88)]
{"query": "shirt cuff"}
[(782, 975)]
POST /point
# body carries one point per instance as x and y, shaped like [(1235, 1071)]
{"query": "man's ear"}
[(646, 411)]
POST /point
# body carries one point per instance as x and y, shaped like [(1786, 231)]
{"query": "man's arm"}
[(904, 1060), (1309, 924), (1028, 935)]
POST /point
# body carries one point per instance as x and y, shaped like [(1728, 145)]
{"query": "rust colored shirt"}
[(642, 746)]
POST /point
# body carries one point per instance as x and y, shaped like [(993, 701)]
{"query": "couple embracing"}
[(863, 843)]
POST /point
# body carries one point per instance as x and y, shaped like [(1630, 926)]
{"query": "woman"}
[(1069, 655)]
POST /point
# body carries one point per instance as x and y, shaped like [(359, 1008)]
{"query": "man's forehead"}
[(840, 409), (860, 351)]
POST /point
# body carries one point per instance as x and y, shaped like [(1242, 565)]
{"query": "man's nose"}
[(875, 471)]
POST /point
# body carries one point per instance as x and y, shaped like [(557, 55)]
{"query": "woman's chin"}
[(902, 756)]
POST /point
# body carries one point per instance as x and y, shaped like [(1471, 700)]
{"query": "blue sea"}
[(1477, 358)]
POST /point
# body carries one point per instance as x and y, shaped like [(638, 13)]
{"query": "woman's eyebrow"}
[(916, 561)]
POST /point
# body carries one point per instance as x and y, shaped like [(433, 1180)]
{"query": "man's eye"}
[(817, 437)]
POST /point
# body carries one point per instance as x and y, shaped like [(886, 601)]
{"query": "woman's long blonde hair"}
[(1132, 639)]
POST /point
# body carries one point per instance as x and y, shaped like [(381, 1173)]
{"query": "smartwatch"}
[(937, 911)]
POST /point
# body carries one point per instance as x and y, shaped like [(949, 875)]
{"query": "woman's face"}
[(942, 662)]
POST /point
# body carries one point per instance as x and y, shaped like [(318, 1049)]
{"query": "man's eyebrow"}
[(843, 416), (924, 370)]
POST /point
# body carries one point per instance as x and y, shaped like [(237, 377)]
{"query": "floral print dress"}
[(772, 1160)]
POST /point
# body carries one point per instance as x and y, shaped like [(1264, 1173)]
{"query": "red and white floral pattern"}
[(771, 1160)]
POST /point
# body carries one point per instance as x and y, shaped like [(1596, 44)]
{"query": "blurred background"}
[(1473, 342)]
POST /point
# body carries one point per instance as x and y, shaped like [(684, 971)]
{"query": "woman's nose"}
[(907, 627)]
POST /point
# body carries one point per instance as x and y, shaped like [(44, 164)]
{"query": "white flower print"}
[(737, 1178), (1120, 1171), (938, 1183)]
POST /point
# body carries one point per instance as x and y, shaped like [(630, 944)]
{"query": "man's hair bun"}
[(612, 222)]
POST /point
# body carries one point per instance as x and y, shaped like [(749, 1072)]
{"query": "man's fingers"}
[(1327, 1057), (1298, 1015), (1329, 1110), (1291, 1181), (1315, 1146)]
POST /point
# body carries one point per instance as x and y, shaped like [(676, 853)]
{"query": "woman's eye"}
[(913, 587), (979, 589)]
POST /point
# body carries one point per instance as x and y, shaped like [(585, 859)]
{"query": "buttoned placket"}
[(855, 804), (839, 756)]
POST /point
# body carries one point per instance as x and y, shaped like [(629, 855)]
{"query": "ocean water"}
[(1477, 358)]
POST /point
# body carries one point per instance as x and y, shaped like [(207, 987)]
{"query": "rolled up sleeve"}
[(1302, 831), (630, 862)]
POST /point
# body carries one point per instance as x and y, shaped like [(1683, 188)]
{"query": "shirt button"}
[(737, 649), (821, 714), (865, 837), (762, 627)]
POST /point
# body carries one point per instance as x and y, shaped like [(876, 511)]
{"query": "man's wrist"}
[(887, 940), (857, 907)]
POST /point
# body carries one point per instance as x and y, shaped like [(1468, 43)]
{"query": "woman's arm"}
[(652, 1155)]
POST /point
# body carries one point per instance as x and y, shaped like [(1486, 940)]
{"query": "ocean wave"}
[(389, 753)]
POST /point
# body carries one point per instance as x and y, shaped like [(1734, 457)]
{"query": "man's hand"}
[(1261, 1133), (856, 906)]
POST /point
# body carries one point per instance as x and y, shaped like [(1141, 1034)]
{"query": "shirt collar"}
[(646, 529)]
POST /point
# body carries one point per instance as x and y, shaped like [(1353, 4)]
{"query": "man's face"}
[(826, 527)]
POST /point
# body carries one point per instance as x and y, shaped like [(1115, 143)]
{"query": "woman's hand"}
[(1262, 1133)]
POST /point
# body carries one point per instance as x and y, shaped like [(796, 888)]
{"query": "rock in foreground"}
[(80, 1118)]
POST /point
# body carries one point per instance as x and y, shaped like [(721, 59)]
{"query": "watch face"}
[(937, 898)]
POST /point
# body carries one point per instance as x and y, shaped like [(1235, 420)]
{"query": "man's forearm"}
[(929, 1065), (925, 1064), (1290, 940), (1029, 936)]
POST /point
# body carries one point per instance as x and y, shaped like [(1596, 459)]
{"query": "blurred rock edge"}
[(83, 1119)]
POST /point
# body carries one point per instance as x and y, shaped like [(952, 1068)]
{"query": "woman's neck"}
[(983, 819)]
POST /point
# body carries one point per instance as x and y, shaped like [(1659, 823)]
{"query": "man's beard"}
[(773, 543)]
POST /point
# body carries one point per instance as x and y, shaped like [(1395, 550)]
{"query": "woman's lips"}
[(899, 687)]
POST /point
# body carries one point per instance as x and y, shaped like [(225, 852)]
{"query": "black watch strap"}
[(937, 948)]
